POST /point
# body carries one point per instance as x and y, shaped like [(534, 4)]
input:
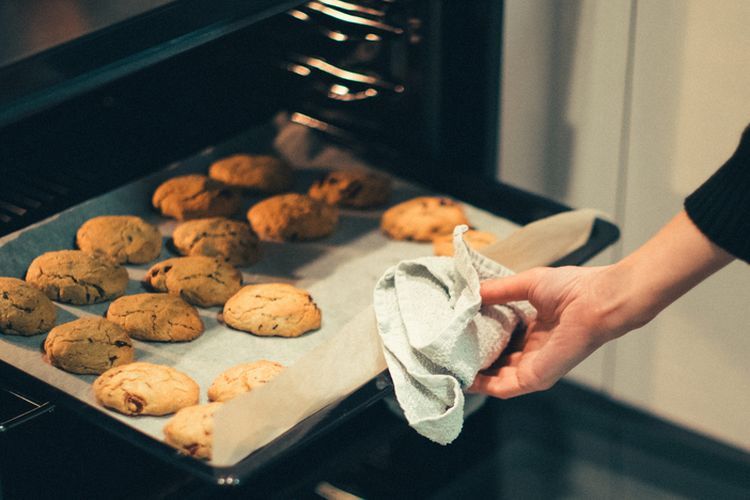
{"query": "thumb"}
[(509, 289)]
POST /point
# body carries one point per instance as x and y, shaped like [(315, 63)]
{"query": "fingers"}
[(519, 373), (504, 385), (512, 288)]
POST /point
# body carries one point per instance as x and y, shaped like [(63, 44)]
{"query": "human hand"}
[(574, 318)]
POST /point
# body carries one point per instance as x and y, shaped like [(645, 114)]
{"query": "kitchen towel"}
[(437, 334)]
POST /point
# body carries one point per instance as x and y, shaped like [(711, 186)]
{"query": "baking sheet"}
[(339, 271)]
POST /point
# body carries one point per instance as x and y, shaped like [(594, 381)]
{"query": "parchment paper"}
[(339, 271)]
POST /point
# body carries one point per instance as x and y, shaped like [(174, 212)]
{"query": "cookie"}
[(243, 378), (272, 309), (263, 173), (156, 317), (422, 218), (443, 244), (24, 310), (145, 389), (292, 217), (191, 430), (233, 241), (351, 188), (88, 345), (203, 281), (75, 277), (195, 196), (126, 239)]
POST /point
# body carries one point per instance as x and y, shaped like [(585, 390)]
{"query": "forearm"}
[(676, 259)]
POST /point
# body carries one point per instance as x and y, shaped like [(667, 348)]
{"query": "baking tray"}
[(357, 227)]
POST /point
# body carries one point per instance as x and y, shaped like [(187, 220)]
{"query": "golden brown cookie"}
[(422, 218), (272, 309), (126, 239), (24, 310), (443, 244), (233, 241), (195, 196), (156, 317), (292, 217), (257, 172), (145, 389), (352, 188), (88, 345), (200, 280), (75, 277), (191, 430), (243, 378)]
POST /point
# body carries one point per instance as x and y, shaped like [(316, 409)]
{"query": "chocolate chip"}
[(134, 404)]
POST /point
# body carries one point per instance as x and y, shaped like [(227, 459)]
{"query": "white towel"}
[(437, 335)]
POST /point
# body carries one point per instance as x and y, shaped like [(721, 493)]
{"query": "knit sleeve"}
[(721, 206)]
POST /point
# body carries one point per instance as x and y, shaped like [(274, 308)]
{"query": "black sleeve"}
[(721, 206)]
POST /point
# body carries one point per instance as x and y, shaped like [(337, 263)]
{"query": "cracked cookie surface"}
[(156, 317), (292, 217), (191, 430), (195, 196), (243, 378), (75, 277), (443, 245), (233, 241), (88, 346), (126, 239), (203, 281), (257, 172), (142, 388), (422, 218), (24, 310), (352, 188), (272, 309)]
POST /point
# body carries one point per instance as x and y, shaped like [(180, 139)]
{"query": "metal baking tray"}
[(490, 198)]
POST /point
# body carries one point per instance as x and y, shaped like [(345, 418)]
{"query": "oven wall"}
[(628, 107)]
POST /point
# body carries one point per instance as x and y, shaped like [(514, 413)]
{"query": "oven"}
[(409, 86)]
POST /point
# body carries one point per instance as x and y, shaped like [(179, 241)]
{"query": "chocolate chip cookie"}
[(88, 345), (145, 389), (24, 310), (75, 277), (191, 430), (233, 241), (156, 317), (443, 245), (263, 173), (352, 188), (292, 217), (200, 280), (243, 378), (422, 218), (272, 309), (195, 196), (126, 239)]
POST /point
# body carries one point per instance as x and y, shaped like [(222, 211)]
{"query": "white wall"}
[(562, 112), (691, 101), (627, 106)]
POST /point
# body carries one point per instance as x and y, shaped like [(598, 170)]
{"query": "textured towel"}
[(437, 335)]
